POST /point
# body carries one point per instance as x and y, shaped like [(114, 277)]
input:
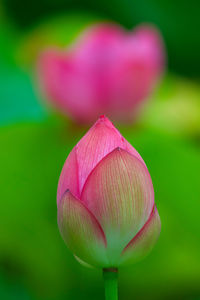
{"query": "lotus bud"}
[(106, 71), (106, 210)]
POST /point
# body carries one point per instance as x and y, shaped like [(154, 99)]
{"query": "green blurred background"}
[(34, 142)]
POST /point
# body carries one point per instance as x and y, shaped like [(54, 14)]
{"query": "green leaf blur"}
[(34, 143)]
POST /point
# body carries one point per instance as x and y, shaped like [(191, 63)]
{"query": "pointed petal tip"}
[(119, 150), (122, 151), (102, 117), (65, 194), (67, 191), (105, 121)]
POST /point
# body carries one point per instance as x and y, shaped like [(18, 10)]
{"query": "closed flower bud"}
[(106, 210), (107, 71)]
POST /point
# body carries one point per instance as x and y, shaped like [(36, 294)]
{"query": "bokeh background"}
[(34, 142)]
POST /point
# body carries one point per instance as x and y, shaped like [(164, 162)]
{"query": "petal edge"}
[(143, 242), (81, 231)]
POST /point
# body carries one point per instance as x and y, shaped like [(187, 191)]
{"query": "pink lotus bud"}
[(107, 71), (106, 210)]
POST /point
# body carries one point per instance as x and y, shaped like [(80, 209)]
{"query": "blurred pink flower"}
[(107, 71), (106, 210)]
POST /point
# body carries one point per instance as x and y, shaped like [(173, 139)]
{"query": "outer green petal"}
[(81, 231), (143, 242)]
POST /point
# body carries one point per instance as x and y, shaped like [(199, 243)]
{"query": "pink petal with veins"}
[(100, 140), (119, 192)]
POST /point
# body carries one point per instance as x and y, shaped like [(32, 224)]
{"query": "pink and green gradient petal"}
[(119, 192), (143, 241), (81, 231)]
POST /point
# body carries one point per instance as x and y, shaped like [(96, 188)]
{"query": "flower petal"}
[(144, 241), (98, 44), (69, 177), (60, 74), (101, 139), (53, 66), (137, 71), (152, 45), (119, 192), (81, 231)]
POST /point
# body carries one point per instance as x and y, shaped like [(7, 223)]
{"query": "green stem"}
[(110, 281)]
